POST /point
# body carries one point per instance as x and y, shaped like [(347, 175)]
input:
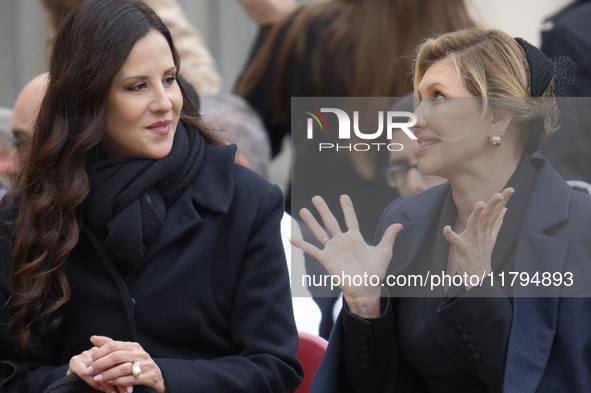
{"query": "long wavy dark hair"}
[(90, 48), (367, 45)]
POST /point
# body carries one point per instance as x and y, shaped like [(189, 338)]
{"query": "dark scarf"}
[(128, 198)]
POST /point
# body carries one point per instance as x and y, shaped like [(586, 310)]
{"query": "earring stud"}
[(495, 140)]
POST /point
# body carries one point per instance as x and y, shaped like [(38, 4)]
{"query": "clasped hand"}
[(108, 366)]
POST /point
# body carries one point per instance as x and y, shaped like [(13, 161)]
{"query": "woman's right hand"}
[(79, 366), (347, 254)]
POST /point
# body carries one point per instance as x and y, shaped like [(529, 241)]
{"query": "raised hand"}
[(472, 249), (346, 253), (265, 12)]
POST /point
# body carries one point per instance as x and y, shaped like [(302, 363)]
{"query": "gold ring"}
[(324, 241), (136, 370)]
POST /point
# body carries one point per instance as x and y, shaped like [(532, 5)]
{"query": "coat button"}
[(365, 366), (363, 339), (464, 337), (476, 356), (459, 328), (470, 347), (364, 349)]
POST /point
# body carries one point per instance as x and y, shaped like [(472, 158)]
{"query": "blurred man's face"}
[(26, 109), (403, 172)]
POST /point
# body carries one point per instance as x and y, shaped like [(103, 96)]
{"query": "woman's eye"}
[(169, 80), (136, 87), (437, 96)]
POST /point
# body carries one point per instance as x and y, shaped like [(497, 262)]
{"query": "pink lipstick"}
[(160, 127)]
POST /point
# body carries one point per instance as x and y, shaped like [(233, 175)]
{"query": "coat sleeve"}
[(263, 329), (569, 366)]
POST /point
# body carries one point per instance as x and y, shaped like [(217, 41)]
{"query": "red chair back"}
[(310, 354)]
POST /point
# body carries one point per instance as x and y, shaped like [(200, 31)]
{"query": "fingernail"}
[(98, 377), (89, 370), (89, 361), (129, 389), (101, 389), (110, 382)]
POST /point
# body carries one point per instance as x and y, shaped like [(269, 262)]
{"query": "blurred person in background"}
[(568, 33), (403, 173), (244, 126), (336, 48), (26, 110), (7, 146)]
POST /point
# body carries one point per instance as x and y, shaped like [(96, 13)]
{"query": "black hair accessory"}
[(543, 69)]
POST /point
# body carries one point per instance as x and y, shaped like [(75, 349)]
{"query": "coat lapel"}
[(213, 190), (535, 318), (418, 221)]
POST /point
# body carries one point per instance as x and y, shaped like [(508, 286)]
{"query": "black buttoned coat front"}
[(210, 304), (550, 338)]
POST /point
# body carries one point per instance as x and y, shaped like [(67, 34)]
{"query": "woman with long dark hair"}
[(134, 252)]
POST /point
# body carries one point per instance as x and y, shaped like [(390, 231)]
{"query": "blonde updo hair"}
[(493, 65)]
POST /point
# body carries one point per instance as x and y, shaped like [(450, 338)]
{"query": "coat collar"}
[(419, 214), (537, 251), (213, 190), (548, 206), (550, 199), (535, 319)]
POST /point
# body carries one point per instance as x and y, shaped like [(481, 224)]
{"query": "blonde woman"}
[(484, 105)]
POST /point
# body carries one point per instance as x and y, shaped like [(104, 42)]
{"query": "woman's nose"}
[(161, 101), (421, 123)]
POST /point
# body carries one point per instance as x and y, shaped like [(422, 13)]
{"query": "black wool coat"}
[(211, 303)]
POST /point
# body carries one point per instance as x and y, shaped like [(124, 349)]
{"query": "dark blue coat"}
[(549, 346), (211, 304)]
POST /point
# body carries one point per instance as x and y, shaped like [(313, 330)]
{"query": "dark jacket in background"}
[(568, 33), (328, 174)]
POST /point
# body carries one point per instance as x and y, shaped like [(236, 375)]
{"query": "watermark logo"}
[(390, 119), (316, 115)]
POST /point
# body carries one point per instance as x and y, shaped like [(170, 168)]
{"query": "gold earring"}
[(495, 140)]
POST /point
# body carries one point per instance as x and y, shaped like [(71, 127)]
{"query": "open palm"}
[(346, 253)]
